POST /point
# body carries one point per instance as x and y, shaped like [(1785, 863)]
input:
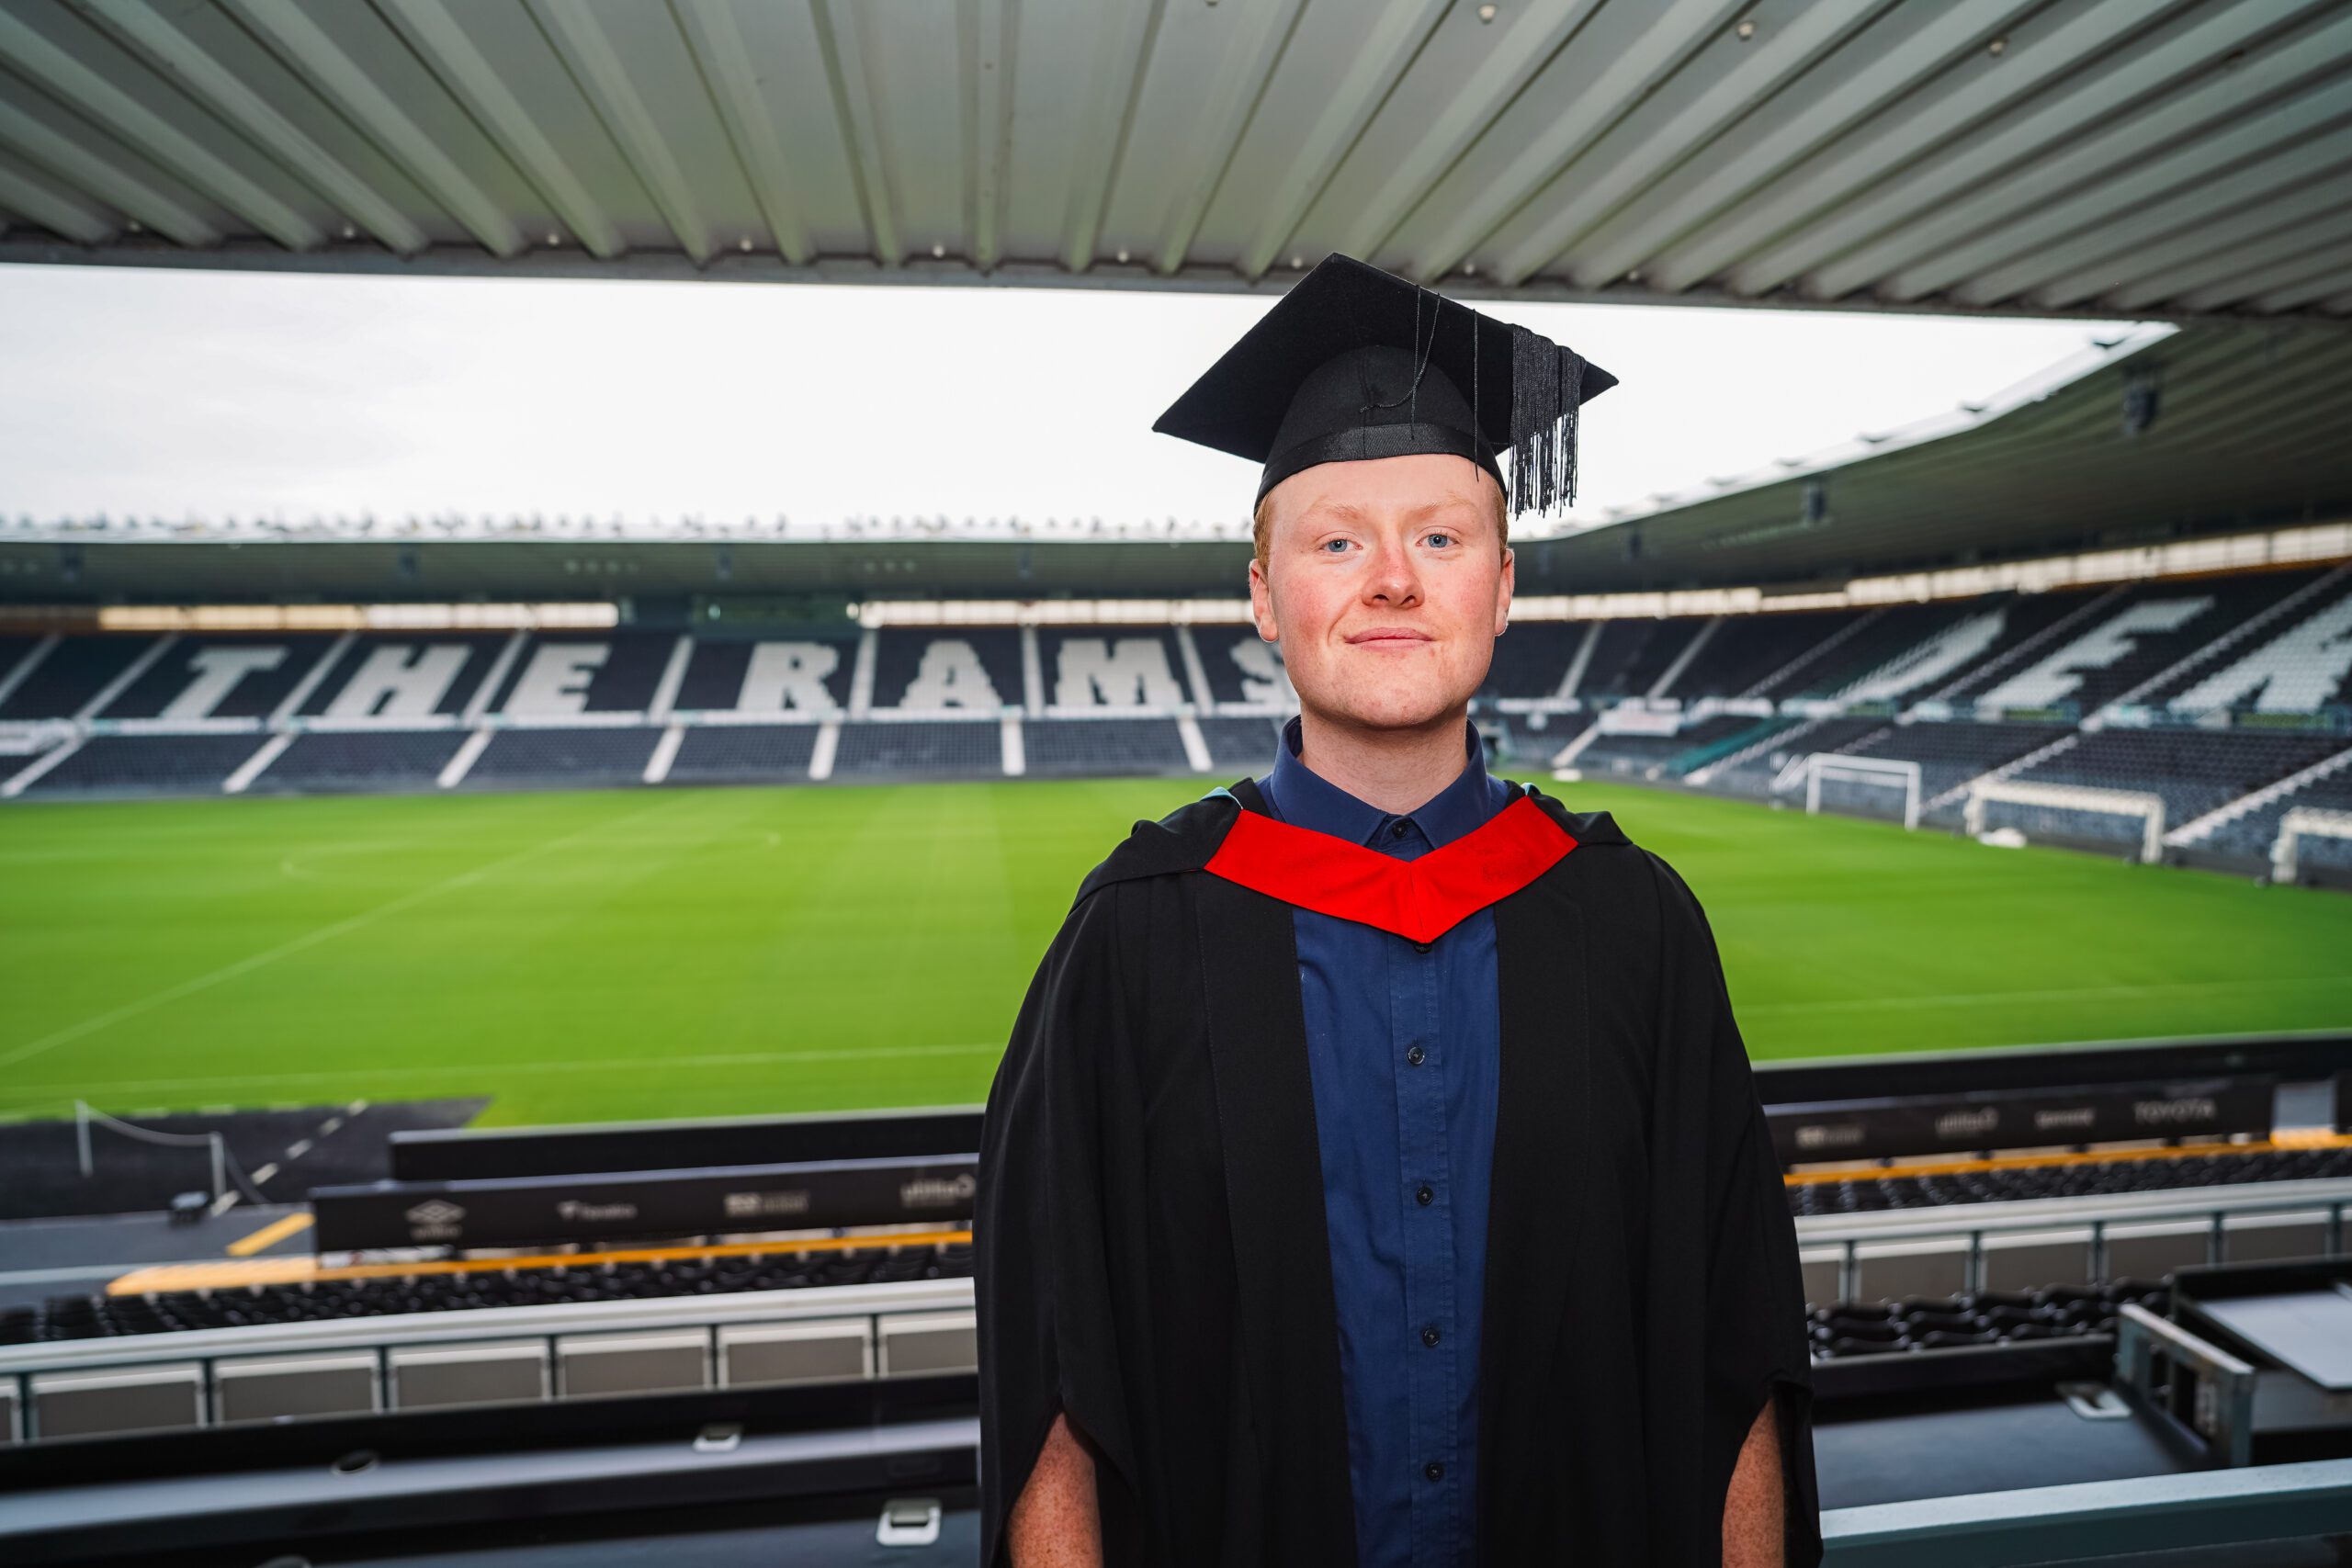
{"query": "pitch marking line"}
[(269, 1235), (515, 1070), (73, 1032)]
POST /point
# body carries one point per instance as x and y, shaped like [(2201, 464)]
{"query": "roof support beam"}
[(989, 61), (2285, 224), (843, 44), (1221, 120), (2142, 70), (2185, 186), (148, 32), (1675, 30), (45, 147), (1532, 34), (1745, 206), (725, 62), (441, 41), (70, 81), (27, 191), (604, 78), (1123, 50), (1580, 204), (1391, 34), (288, 29), (1912, 250)]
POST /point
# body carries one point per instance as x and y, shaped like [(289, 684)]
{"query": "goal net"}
[(1877, 783), (2148, 809), (2304, 822)]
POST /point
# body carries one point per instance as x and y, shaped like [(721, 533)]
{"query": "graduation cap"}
[(1356, 363)]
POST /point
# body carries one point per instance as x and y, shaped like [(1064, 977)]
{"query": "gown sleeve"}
[(1042, 1231), (1755, 1343)]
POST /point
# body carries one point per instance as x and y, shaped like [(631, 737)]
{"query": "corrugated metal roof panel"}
[(2158, 157)]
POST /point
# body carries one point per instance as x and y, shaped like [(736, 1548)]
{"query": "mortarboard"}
[(1356, 363)]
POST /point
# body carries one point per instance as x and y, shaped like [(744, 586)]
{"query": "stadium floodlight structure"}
[(2148, 807), (1881, 770), (2304, 822)]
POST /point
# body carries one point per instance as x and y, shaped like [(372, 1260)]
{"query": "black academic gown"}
[(1152, 1257)]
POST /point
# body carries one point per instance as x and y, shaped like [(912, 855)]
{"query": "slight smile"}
[(1388, 636)]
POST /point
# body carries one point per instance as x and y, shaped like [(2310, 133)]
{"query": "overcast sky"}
[(164, 393)]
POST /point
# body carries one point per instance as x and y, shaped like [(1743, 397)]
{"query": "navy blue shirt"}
[(1403, 1040)]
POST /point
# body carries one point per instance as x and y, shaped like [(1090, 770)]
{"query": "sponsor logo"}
[(2069, 1118), (594, 1214), (758, 1205), (1828, 1135), (933, 1192), (2166, 1112), (435, 1219), (1965, 1124)]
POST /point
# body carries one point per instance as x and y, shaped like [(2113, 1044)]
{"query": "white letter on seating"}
[(407, 680), (950, 676), (555, 681), (789, 676), (1131, 672), (215, 673)]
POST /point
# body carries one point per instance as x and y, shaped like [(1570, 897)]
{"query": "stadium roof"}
[(2213, 430), (2155, 158)]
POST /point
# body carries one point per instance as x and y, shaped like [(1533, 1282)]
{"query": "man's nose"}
[(1394, 579)]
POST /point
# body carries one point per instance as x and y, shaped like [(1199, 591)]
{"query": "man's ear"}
[(1261, 603), (1503, 590)]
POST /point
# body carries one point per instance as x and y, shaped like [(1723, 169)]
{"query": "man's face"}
[(1385, 584)]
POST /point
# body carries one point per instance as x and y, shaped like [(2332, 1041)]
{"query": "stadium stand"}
[(2218, 691)]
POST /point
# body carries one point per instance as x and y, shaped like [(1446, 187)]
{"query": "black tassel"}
[(1546, 386)]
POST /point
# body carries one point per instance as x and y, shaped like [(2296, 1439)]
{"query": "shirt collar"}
[(1304, 798)]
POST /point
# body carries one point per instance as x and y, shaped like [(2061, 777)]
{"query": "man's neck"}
[(1396, 769)]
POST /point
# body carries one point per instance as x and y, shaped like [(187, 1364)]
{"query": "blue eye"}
[(1333, 547), (1442, 539)]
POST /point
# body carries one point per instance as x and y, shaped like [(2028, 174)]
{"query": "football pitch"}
[(601, 956)]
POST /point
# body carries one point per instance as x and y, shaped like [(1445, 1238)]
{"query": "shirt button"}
[(1434, 1471), (1420, 947), (1416, 1055), (1401, 830), (1425, 1195), (1430, 1334)]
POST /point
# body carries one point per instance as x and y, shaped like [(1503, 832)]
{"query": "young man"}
[(1376, 1174)]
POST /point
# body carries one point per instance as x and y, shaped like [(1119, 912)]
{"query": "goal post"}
[(2304, 822), (1820, 765), (2147, 806)]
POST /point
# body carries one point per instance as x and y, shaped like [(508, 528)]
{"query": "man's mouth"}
[(1388, 636)]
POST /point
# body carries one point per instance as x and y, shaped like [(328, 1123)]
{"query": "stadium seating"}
[(915, 748), (326, 762), (743, 753), (1079, 747), (392, 676), (803, 674), (1239, 746), (73, 674), (2193, 769), (541, 759), (147, 764)]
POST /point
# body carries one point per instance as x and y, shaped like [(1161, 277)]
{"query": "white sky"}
[(172, 394)]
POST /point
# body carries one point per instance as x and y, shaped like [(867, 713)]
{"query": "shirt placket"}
[(1414, 1023)]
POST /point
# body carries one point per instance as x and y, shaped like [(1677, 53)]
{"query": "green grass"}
[(636, 953)]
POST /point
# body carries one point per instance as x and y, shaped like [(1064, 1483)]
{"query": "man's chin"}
[(1388, 713)]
